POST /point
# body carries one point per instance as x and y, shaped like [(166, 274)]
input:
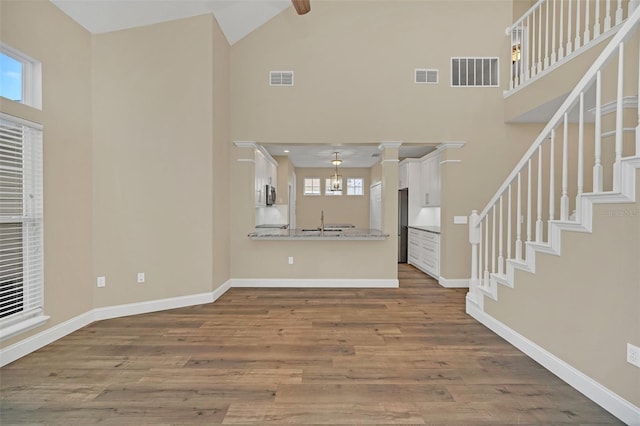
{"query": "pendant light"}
[(336, 179)]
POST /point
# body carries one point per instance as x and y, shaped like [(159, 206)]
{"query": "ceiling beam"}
[(301, 6)]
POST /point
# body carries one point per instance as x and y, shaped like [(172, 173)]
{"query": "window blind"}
[(21, 220)]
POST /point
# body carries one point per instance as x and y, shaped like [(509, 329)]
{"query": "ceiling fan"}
[(301, 6)]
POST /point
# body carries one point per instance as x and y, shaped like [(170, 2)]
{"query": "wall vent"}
[(474, 72), (426, 76), (281, 78)]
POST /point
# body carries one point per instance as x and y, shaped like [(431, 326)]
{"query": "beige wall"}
[(337, 208), (589, 298), (43, 32), (153, 155)]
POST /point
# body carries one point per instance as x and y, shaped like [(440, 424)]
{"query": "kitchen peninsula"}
[(346, 234)]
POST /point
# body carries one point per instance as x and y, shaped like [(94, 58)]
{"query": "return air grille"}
[(426, 76), (281, 78)]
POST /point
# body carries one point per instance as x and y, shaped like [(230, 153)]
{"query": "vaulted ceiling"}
[(236, 18)]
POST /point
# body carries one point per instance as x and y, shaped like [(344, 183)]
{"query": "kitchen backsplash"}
[(272, 215)]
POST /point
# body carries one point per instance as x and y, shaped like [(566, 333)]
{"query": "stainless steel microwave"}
[(270, 192)]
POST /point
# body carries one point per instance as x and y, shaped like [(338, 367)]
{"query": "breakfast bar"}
[(332, 233)]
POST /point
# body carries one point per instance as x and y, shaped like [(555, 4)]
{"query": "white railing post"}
[(485, 281), (509, 224), (638, 108), (564, 199), (596, 20), (474, 240), (553, 34), (561, 39), (529, 194), (500, 242), (607, 16), (580, 153), (619, 12), (576, 43), (539, 198), (619, 115), (539, 40), (519, 219), (546, 36), (597, 167), (533, 66), (569, 50), (552, 175), (493, 240), (587, 31)]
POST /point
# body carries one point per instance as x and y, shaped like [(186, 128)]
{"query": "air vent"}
[(281, 78), (474, 72), (426, 76)]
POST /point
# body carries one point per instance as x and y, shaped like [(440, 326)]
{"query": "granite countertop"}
[(348, 234), (434, 229)]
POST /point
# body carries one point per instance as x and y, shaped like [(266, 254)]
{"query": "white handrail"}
[(584, 83)]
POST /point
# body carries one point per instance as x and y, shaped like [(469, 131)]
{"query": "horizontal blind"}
[(21, 220)]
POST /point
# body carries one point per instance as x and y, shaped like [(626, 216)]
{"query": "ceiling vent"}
[(426, 76), (281, 78)]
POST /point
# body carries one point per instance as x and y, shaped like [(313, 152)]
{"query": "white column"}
[(474, 240)]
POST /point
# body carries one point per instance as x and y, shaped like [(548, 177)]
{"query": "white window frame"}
[(351, 188), (489, 58), (31, 219), (327, 188), (313, 193), (31, 76)]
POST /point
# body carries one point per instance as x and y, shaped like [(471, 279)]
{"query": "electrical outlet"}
[(102, 281), (290, 260), (633, 355), (140, 277)]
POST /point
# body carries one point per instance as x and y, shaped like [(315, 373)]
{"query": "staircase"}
[(587, 154)]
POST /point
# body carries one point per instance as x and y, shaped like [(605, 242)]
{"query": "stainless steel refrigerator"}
[(403, 224)]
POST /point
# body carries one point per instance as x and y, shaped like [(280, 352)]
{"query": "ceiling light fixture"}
[(336, 179)]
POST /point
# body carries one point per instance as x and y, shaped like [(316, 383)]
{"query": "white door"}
[(375, 206)]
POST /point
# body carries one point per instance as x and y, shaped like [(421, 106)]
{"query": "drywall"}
[(42, 31), (153, 160), (583, 306)]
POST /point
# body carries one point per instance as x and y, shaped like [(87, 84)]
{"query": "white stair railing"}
[(554, 30), (594, 142)]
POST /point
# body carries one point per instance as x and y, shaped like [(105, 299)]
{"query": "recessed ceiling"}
[(352, 156), (236, 18)]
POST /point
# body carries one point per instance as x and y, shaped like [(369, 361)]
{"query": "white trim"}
[(450, 161), (450, 145), (20, 121), (390, 160), (245, 144), (607, 399), (246, 160), (453, 283), (627, 102), (314, 283), (389, 144), (37, 341), (22, 326)]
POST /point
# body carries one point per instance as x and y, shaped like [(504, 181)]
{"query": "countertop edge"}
[(432, 229)]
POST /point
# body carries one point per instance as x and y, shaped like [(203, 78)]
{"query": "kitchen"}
[(337, 219)]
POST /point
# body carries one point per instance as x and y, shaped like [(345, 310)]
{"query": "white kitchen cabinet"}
[(430, 180), (375, 206), (266, 173), (424, 251), (403, 175)]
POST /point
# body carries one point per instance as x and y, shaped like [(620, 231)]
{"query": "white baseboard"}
[(459, 283), (607, 399), (313, 283), (37, 341)]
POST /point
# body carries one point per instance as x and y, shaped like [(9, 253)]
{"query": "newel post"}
[(474, 238)]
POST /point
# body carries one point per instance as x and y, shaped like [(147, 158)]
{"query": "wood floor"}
[(320, 356)]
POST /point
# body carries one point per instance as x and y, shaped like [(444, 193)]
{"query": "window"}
[(311, 186), (21, 256), (355, 186), (474, 72), (20, 77), (328, 185)]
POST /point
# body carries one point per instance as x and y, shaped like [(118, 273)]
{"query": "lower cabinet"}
[(424, 251)]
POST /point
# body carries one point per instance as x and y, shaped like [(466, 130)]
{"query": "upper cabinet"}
[(266, 174), (430, 179)]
